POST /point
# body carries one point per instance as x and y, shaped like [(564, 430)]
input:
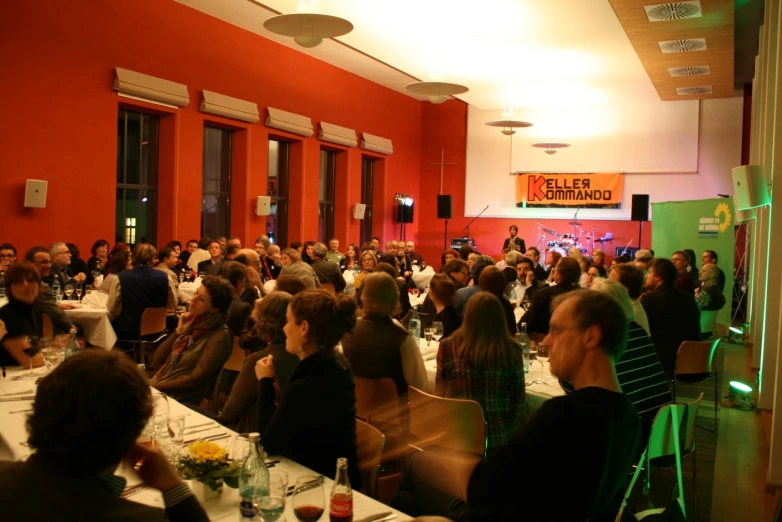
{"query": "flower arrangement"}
[(206, 462)]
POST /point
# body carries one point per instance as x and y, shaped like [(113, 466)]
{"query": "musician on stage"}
[(514, 242)]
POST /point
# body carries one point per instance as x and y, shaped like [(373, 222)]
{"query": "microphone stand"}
[(575, 227), (467, 228)]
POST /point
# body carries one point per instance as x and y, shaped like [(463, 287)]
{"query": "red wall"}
[(445, 127), (59, 117)]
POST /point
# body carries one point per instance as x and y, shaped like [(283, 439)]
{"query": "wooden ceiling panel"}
[(715, 25)]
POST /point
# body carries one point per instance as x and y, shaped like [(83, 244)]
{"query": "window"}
[(328, 176), (367, 191), (137, 169), (216, 188), (277, 220)]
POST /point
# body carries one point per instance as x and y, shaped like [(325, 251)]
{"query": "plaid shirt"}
[(499, 391), (703, 298)]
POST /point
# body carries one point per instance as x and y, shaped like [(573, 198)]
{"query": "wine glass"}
[(202, 274), (542, 356), (308, 498), (181, 278), (87, 290), (240, 450), (32, 348), (272, 506), (416, 292), (188, 275), (160, 403), (437, 330), (68, 290), (78, 291), (52, 357), (428, 333)]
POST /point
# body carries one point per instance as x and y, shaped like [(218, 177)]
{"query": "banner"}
[(700, 225), (588, 190)]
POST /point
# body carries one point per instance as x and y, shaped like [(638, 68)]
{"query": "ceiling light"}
[(693, 91), (308, 27), (684, 45), (673, 11), (551, 147), (508, 125), (694, 70), (437, 92)]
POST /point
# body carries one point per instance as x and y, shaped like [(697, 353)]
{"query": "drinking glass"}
[(188, 275), (416, 292), (542, 356), (308, 498), (428, 333), (52, 357), (181, 278), (160, 402), (240, 449), (68, 290), (61, 340), (272, 506), (32, 348), (87, 290), (170, 436), (437, 330), (78, 291), (201, 274)]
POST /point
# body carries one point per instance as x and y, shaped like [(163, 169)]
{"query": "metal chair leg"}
[(694, 476)]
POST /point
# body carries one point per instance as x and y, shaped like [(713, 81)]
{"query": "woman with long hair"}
[(315, 421), (481, 362), (306, 252), (367, 261), (240, 413), (119, 262), (350, 261)]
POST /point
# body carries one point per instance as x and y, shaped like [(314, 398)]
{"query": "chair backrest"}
[(329, 288), (708, 318), (47, 327), (450, 423), (153, 321), (661, 441), (370, 451), (696, 357), (377, 400), (236, 361)]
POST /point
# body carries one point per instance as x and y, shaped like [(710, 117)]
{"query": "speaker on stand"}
[(640, 212), (444, 212)]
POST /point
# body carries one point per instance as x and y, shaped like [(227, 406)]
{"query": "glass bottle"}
[(341, 505), (523, 340), (253, 480)]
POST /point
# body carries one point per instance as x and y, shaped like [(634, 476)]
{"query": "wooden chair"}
[(370, 451), (47, 327), (661, 451), (377, 401), (329, 289), (695, 364), (454, 424), (152, 331), (234, 363)]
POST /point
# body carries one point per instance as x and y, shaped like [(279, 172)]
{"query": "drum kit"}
[(562, 243)]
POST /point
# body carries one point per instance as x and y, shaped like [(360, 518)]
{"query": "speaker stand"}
[(640, 233), (445, 239)]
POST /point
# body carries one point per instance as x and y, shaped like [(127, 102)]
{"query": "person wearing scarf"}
[(191, 358)]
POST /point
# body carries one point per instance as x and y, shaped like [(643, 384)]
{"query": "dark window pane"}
[(136, 216), (367, 192), (216, 187), (215, 215), (277, 175)]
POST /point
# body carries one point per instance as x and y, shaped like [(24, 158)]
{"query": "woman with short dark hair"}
[(190, 359), (100, 257), (315, 421), (23, 285)]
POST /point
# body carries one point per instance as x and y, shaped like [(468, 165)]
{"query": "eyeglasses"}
[(64, 252), (45, 263), (7, 256)]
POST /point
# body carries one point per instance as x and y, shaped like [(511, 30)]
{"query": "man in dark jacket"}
[(566, 275), (673, 314), (239, 310), (326, 271)]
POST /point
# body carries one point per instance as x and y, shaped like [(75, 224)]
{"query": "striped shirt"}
[(641, 374)]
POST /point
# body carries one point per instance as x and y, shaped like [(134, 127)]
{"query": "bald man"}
[(709, 296), (416, 258)]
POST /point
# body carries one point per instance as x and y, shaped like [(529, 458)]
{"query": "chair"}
[(153, 330), (661, 451), (695, 364), (370, 444), (377, 401), (234, 363), (454, 424), (329, 288), (47, 327)]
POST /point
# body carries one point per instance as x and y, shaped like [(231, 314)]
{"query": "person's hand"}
[(408, 274), (3, 330), (184, 321), (153, 468), (80, 277), (265, 368), (530, 279), (66, 306)]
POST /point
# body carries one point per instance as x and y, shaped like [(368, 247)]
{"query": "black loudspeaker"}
[(444, 207), (404, 213), (640, 209)]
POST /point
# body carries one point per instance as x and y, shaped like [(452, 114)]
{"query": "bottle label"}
[(341, 507), (246, 509)]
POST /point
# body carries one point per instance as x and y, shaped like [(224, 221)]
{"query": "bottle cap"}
[(254, 436)]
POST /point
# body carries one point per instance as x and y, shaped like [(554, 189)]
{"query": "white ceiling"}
[(529, 53)]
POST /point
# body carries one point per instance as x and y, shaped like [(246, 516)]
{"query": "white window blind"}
[(229, 107), (337, 134), (151, 88), (376, 144), (290, 122)]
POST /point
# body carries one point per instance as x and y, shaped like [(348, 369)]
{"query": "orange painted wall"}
[(445, 128), (59, 118)]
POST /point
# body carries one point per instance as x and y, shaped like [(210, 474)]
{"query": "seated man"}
[(295, 267), (540, 272), (581, 445), (326, 271), (526, 284), (566, 275), (334, 255), (61, 259), (212, 265), (7, 256), (200, 254), (464, 293), (415, 258), (81, 484)]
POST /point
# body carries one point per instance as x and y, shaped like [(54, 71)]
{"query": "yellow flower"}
[(206, 450), (722, 208)]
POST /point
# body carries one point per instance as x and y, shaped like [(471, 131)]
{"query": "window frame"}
[(279, 203), (226, 162), (327, 201), (367, 195)]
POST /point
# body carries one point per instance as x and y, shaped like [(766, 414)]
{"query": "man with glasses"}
[(46, 302), (415, 257), (7, 256), (61, 258)]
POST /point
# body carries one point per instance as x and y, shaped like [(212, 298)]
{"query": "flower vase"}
[(204, 492)]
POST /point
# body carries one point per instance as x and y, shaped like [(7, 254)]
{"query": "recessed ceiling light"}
[(694, 70), (692, 91), (686, 45), (673, 11)]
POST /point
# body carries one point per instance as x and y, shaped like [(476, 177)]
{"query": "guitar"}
[(626, 247)]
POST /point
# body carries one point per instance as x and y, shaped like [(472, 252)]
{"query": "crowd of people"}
[(613, 333)]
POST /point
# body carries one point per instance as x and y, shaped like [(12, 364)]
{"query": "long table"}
[(13, 438), (540, 384)]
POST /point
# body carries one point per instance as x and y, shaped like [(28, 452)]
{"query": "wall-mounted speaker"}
[(35, 193), (263, 206), (359, 210), (640, 208), (444, 207), (750, 187)]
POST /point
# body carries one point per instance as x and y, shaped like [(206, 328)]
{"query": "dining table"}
[(18, 388)]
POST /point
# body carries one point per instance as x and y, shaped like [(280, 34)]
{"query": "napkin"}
[(96, 299)]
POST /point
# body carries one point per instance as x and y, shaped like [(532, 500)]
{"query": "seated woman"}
[(315, 421), (492, 280), (23, 284), (447, 256), (368, 262), (119, 262), (100, 257), (443, 291), (379, 346), (191, 358), (594, 273), (350, 261), (481, 362), (240, 413)]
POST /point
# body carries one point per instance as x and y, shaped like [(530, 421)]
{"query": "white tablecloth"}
[(13, 434), (188, 290), (422, 278), (96, 325), (537, 393)]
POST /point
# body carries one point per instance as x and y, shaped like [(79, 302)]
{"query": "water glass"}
[(160, 402), (271, 507), (68, 290), (438, 330), (202, 274), (240, 449), (87, 290), (52, 357)]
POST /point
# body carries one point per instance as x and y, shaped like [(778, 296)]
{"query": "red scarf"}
[(202, 325)]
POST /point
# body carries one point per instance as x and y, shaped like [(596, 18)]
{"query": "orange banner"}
[(589, 190)]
